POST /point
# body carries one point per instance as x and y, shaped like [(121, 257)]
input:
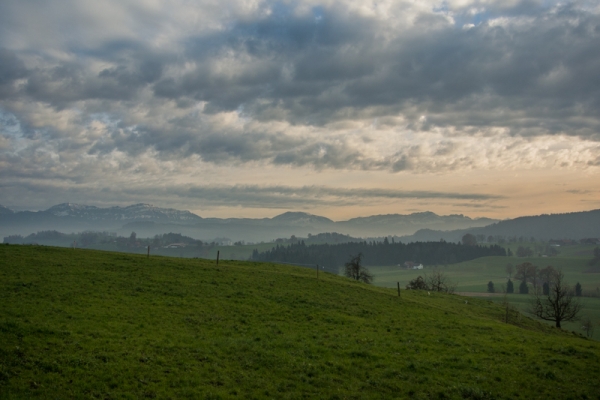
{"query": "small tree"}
[(508, 309), (578, 289), (437, 281), (524, 252), (469, 240), (417, 284), (545, 274), (546, 289), (510, 287), (596, 259), (587, 326), (509, 270), (356, 271), (559, 305), (523, 288), (490, 288)]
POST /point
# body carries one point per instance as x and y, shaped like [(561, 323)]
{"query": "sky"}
[(250, 108)]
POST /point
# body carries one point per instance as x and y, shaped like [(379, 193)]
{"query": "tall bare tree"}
[(560, 304), (546, 274), (588, 326), (509, 270), (527, 272), (356, 271)]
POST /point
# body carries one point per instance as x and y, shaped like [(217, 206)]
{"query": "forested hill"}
[(380, 253)]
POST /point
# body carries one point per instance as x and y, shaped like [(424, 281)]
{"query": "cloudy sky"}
[(337, 108)]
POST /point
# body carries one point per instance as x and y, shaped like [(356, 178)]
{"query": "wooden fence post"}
[(148, 252), (398, 289), (218, 257)]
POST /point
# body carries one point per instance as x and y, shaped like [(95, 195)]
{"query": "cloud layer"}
[(139, 93)]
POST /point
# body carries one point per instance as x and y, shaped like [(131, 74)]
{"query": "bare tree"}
[(559, 305), (509, 310), (546, 274), (587, 326), (509, 270), (356, 271), (437, 281), (527, 272)]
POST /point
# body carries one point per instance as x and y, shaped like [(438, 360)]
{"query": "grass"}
[(91, 324), (473, 277), (591, 309)]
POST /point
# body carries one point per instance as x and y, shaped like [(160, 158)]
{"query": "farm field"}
[(473, 276), (81, 323)]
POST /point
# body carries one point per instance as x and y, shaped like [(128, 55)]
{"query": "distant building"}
[(175, 246), (412, 265)]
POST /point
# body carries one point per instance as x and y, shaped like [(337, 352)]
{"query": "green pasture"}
[(89, 324), (591, 309), (473, 276)]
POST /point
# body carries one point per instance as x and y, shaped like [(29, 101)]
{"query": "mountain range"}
[(147, 220)]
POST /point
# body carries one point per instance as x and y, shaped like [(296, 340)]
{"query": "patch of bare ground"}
[(479, 294)]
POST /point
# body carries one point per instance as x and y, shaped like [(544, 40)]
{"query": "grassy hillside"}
[(473, 276), (81, 323)]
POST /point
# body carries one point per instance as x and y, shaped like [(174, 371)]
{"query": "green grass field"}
[(473, 277), (92, 324)]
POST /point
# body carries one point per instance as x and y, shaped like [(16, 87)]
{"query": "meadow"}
[(472, 278), (90, 324)]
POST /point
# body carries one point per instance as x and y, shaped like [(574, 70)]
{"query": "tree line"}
[(377, 253), (90, 238)]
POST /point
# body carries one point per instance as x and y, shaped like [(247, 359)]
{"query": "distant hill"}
[(299, 218), (398, 224), (576, 225), (69, 217), (147, 221), (5, 211), (144, 212)]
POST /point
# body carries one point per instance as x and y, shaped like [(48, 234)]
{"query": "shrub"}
[(523, 288)]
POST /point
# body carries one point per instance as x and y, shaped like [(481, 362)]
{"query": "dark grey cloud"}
[(545, 68), (68, 82), (478, 206), (322, 193), (247, 196), (11, 69)]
